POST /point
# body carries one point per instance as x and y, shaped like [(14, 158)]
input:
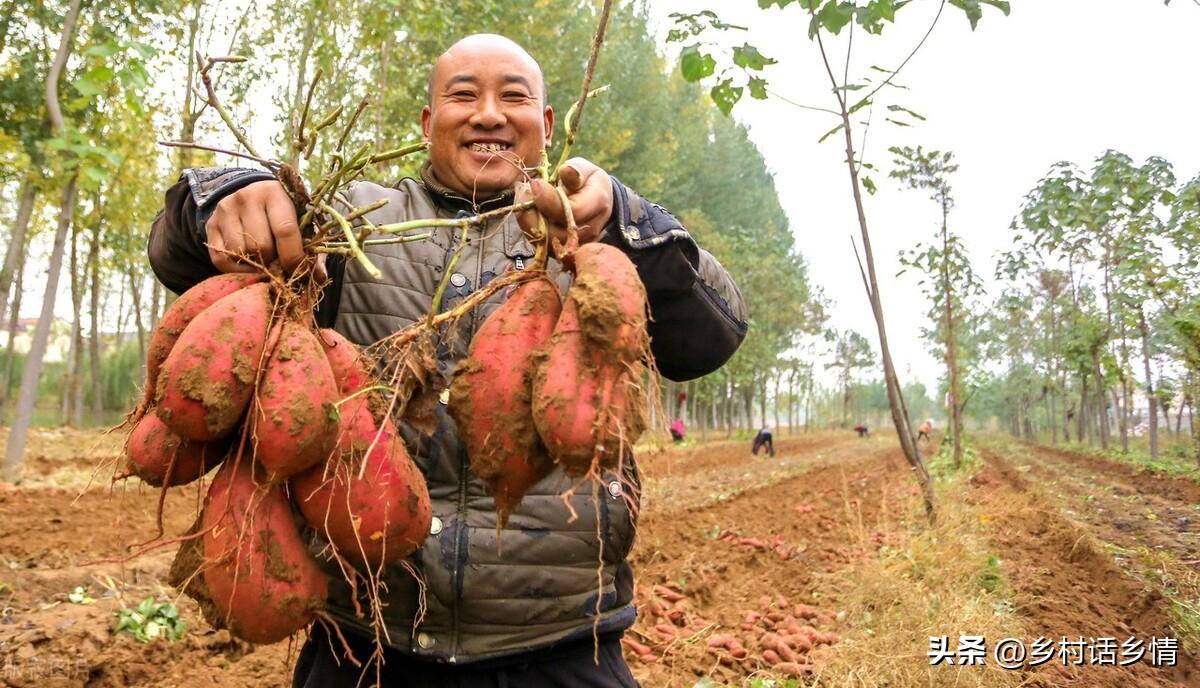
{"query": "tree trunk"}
[(1150, 399), (15, 451), (14, 320), (956, 425), (306, 43), (73, 387), (16, 241), (1179, 417), (895, 396), (188, 116), (97, 317), (1101, 401), (1081, 417)]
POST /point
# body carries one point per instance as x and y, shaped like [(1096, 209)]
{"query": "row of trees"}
[(81, 178), (1102, 280)]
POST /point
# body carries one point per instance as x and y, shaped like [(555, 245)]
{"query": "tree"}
[(826, 20), (33, 366), (948, 279), (851, 352)]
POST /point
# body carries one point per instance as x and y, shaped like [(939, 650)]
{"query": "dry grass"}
[(927, 582)]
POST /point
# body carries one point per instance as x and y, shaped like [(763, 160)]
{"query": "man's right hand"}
[(256, 222)]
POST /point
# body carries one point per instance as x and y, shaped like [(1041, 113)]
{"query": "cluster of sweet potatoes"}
[(548, 381), (236, 378), (778, 635)]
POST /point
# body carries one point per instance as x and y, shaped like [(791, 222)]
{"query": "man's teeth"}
[(489, 147)]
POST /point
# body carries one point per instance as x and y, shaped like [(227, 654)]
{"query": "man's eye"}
[(515, 96), (463, 94)]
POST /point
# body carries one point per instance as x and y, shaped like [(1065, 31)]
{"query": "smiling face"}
[(486, 116)]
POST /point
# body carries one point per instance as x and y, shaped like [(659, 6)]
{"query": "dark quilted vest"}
[(540, 580)]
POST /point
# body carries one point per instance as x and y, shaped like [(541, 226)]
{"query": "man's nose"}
[(488, 114)]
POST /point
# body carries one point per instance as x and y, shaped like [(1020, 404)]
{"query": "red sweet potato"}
[(377, 518), (208, 378), (345, 360), (159, 456), (292, 418), (177, 317), (793, 669), (586, 403), (490, 397), (611, 300), (258, 571)]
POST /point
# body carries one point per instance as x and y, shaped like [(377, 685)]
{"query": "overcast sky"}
[(1055, 80)]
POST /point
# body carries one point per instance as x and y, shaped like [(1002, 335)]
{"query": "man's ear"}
[(425, 115), (548, 116)]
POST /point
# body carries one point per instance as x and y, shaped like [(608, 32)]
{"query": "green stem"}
[(572, 121), (397, 227), (441, 287), (359, 393), (352, 242), (343, 248), (397, 152)]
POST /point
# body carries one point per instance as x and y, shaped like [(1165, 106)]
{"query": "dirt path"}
[(1065, 584)]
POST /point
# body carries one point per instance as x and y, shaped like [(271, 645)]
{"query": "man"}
[(763, 440), (678, 430), (925, 429), (520, 606)]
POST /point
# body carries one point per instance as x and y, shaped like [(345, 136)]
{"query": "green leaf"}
[(758, 88), (869, 185), (748, 57), (725, 95), (898, 122), (96, 174), (105, 49), (885, 8), (859, 105), (829, 133), (695, 65), (810, 5), (134, 77), (910, 113), (836, 15), (146, 50), (100, 74), (1001, 5), (88, 88)]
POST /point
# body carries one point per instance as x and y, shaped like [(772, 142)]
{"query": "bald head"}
[(485, 46)]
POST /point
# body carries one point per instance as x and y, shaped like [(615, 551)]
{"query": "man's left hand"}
[(589, 191)]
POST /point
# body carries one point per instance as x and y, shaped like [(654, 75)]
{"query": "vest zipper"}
[(462, 534)]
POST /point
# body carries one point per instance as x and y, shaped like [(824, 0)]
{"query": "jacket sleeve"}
[(177, 247), (697, 315)]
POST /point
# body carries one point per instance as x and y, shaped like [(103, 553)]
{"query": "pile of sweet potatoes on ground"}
[(777, 635), (238, 376)]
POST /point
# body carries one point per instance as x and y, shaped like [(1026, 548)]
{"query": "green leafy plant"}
[(151, 620)]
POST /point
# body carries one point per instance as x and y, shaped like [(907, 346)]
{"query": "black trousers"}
[(570, 665), (762, 441)]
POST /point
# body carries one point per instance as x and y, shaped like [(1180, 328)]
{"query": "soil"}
[(736, 560), (1066, 583)]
